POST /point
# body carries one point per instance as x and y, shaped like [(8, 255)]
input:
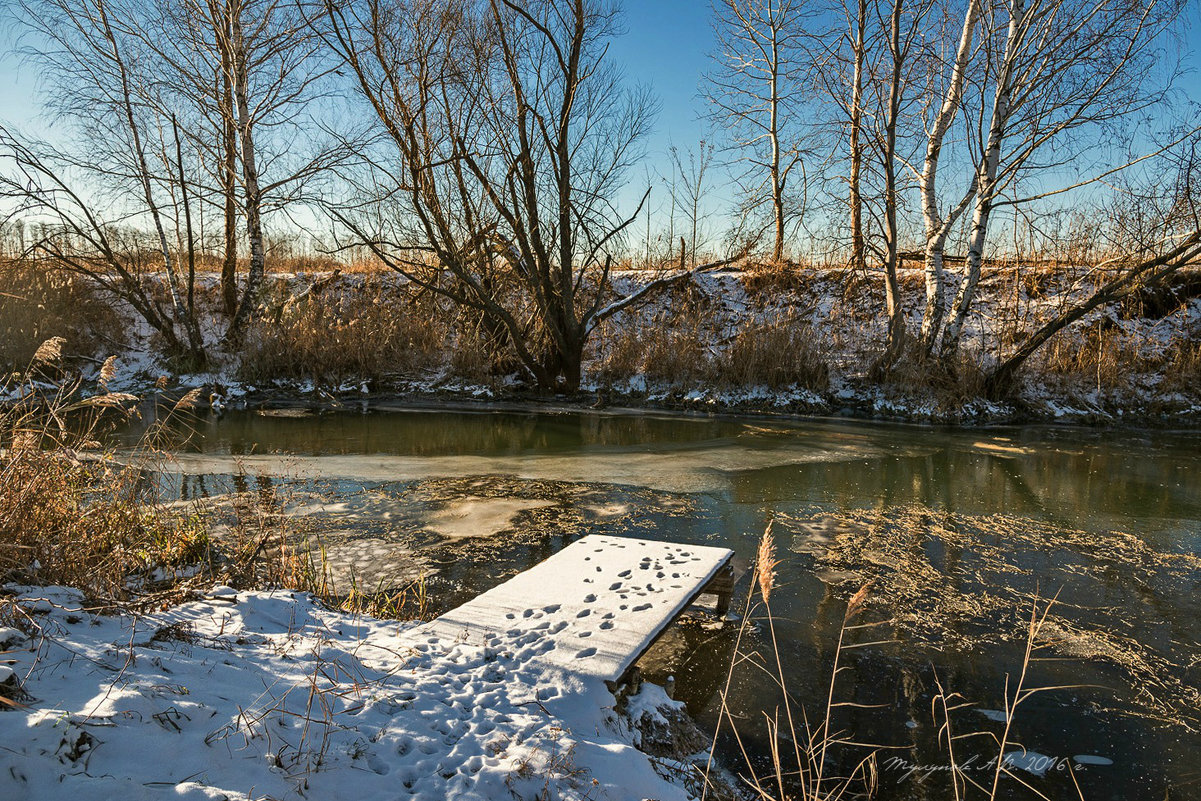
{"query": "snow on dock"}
[(594, 607)]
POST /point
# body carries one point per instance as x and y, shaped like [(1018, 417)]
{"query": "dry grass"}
[(69, 513), (682, 350), (348, 331), (804, 749), (36, 304), (778, 353), (1100, 355), (671, 349), (73, 514), (1182, 363), (950, 383)]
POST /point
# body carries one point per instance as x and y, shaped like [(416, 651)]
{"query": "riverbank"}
[(247, 695), (730, 341)]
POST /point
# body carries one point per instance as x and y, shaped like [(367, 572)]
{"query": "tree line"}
[(480, 148)]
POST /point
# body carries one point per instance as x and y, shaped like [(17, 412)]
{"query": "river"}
[(960, 531)]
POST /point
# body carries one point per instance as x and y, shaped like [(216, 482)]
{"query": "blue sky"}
[(667, 46)]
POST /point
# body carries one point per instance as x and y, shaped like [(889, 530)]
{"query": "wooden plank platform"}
[(597, 605)]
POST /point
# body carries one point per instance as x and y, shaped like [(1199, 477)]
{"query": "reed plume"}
[(766, 562), (108, 371), (49, 351)]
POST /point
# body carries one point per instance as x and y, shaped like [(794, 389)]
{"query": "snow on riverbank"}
[(843, 315), (268, 695)]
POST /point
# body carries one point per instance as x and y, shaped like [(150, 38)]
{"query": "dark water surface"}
[(960, 530)]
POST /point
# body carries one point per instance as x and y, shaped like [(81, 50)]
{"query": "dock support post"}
[(722, 585)]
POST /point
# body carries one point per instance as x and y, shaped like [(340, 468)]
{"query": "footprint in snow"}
[(585, 652)]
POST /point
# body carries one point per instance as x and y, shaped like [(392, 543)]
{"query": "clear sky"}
[(667, 45)]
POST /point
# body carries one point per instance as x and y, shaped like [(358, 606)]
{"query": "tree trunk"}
[(187, 216), (777, 184), (229, 189), (895, 343), (986, 178), (858, 248), (250, 177), (937, 228)]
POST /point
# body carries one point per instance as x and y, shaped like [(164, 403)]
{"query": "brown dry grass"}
[(1098, 355), (779, 353), (69, 513), (951, 383), (72, 513), (36, 304), (349, 331), (1182, 363), (659, 350)]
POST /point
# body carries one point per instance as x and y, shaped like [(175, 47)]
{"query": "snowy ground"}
[(267, 695), (844, 314)]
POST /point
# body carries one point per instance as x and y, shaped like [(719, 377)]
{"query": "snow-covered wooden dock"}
[(594, 607)]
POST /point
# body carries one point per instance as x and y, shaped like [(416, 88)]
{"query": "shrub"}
[(69, 513), (668, 349), (780, 353)]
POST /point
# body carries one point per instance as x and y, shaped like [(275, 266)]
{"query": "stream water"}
[(959, 531)]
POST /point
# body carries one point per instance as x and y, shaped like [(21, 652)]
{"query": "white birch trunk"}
[(986, 179), (937, 228)]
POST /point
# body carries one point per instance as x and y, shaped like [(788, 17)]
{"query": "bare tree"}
[(508, 134), (889, 100), (688, 192), (255, 75), (756, 96), (1158, 233), (91, 55), (143, 81), (845, 46), (1057, 75)]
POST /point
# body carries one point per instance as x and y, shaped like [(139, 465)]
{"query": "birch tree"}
[(1059, 74), (939, 223)]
